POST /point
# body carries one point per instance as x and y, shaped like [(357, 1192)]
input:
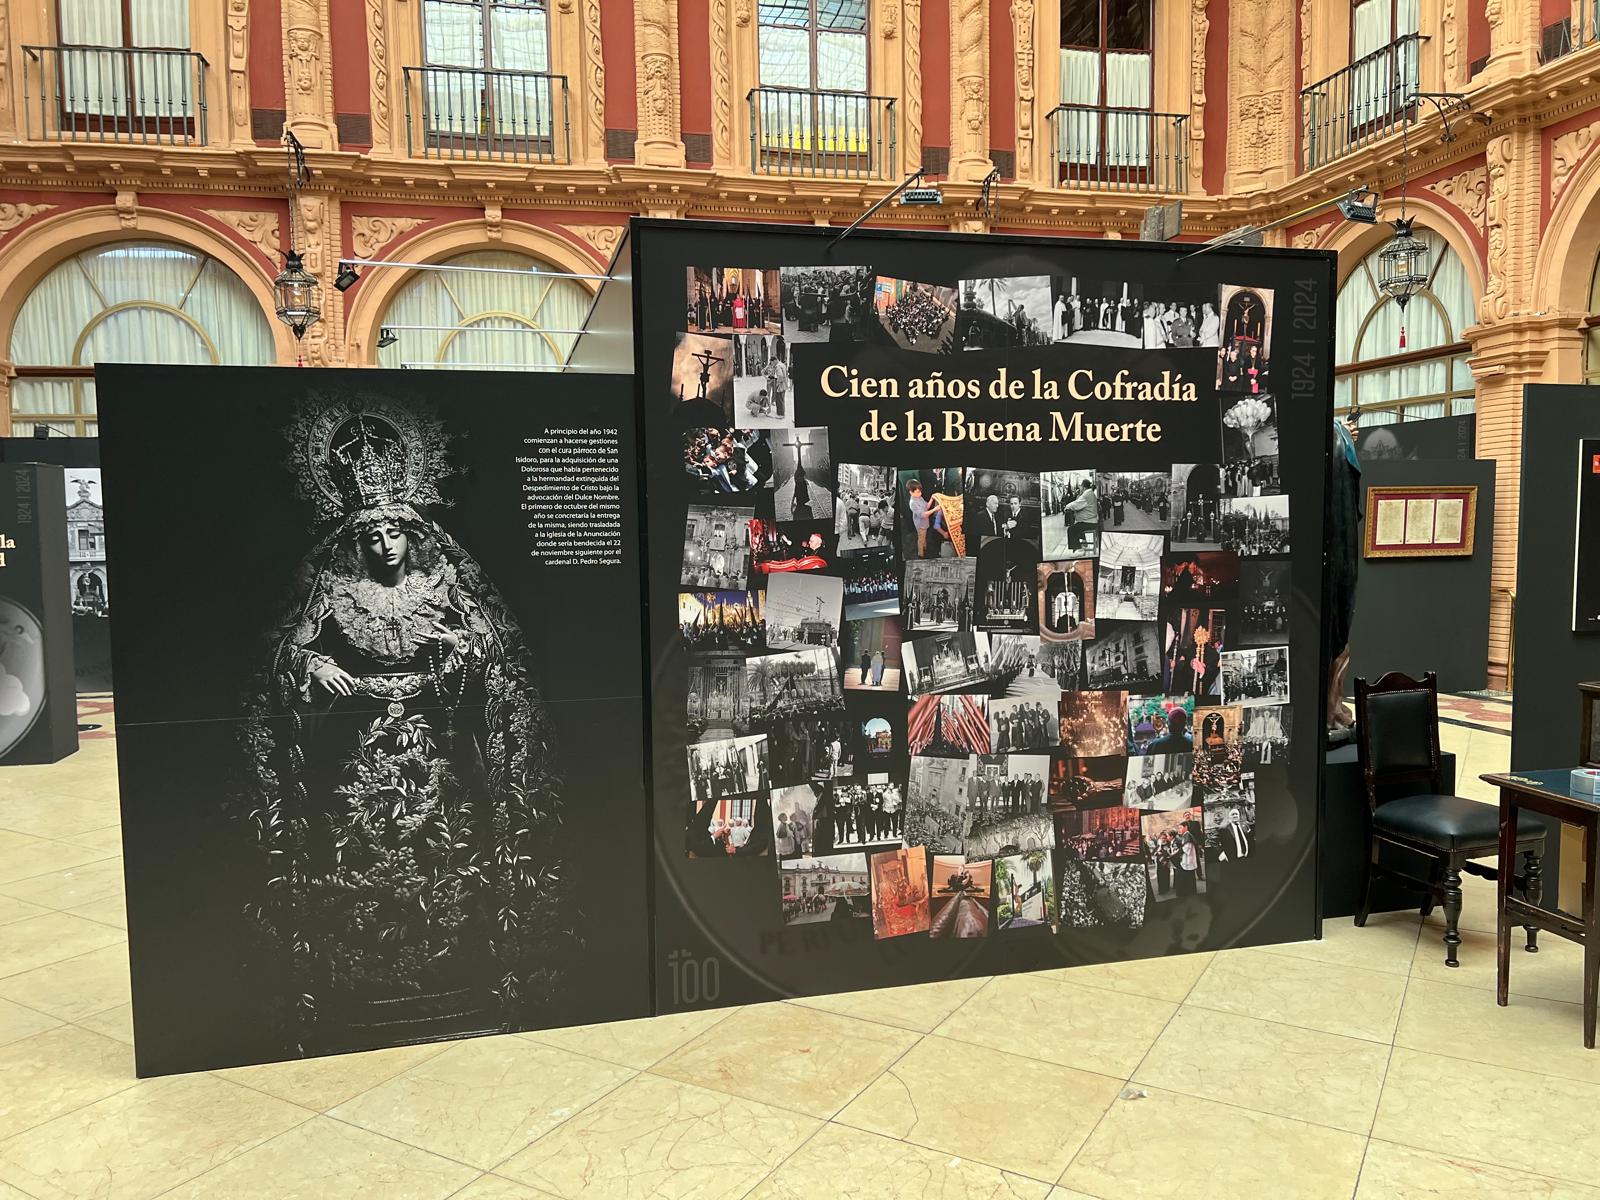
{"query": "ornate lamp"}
[(1403, 268), (296, 290)]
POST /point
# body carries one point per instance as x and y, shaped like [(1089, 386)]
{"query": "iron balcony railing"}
[(1119, 149), (830, 134), (114, 94), (471, 112), (1580, 30), (1368, 100)]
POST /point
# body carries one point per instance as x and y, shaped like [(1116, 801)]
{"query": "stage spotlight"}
[(346, 278), (1361, 206), (921, 197), (386, 337)]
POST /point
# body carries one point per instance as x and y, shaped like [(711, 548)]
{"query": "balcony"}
[(1365, 102), (469, 113), (114, 94), (828, 135), (1576, 32), (1119, 149)]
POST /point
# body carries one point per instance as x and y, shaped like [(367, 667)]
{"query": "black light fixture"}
[(386, 337), (295, 288), (346, 278), (1403, 261)]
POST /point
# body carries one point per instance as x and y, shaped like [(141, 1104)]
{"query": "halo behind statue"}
[(354, 454)]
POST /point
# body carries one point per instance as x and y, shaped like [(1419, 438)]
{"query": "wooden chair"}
[(1397, 719)]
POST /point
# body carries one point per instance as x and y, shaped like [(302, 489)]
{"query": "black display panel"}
[(943, 534), (379, 714), (38, 713)]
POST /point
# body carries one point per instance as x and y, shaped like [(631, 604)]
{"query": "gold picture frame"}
[(1420, 522)]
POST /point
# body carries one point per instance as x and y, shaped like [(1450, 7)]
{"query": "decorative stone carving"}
[(260, 229), (912, 38), (969, 109), (1305, 44), (1566, 152), (308, 88), (492, 219), (594, 69), (741, 14), (238, 50), (12, 215), (1307, 239), (1468, 190), (721, 85), (1450, 33), (370, 234), (655, 25), (323, 345), (891, 20), (378, 73), (127, 206), (1022, 39), (1495, 303), (1260, 141), (602, 239), (1199, 27)]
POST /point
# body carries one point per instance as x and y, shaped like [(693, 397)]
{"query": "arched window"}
[(139, 302), (498, 315), (1428, 377), (1591, 331)]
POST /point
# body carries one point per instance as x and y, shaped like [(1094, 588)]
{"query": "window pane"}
[(520, 38), (1080, 23), (842, 15), (842, 62), (1128, 25), (91, 23), (793, 13), (1370, 28), (1128, 83), (1080, 77), (158, 23), (453, 34), (785, 58), (1407, 17)]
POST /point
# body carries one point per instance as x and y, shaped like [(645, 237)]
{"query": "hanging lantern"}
[(296, 290), (1403, 269)]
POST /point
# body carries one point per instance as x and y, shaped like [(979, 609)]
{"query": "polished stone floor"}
[(1354, 1067)]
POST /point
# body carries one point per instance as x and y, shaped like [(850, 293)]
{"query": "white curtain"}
[(487, 319), (1128, 85), (473, 34), (99, 78), (1078, 132)]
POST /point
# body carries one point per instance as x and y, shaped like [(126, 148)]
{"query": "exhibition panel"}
[(992, 638)]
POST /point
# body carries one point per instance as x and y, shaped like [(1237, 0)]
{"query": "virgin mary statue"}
[(400, 780)]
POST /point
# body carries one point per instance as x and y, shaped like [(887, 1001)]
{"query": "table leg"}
[(1508, 862), (1533, 889)]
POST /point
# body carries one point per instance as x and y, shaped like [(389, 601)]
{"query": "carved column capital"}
[(308, 74), (1024, 34), (969, 93), (655, 41)]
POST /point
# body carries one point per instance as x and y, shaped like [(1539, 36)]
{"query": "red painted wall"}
[(1477, 31), (266, 54), (694, 69), (616, 43), (1002, 77), (348, 33), (936, 73), (1551, 11), (1216, 145)]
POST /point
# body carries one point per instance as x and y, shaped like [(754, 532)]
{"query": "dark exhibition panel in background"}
[(89, 585), (363, 805), (730, 927), (1430, 438), (38, 718), (1427, 614)]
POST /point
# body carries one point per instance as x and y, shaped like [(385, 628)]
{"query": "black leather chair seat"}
[(1449, 822)]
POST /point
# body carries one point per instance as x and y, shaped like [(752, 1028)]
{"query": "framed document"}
[(1420, 522)]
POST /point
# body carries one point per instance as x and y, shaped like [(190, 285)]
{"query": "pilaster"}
[(969, 92), (308, 74), (660, 141), (1261, 101)]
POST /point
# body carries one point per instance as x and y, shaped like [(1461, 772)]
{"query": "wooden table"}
[(1548, 793)]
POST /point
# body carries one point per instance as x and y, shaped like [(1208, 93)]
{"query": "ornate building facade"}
[(143, 206)]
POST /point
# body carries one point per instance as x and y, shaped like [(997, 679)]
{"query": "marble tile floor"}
[(1352, 1067)]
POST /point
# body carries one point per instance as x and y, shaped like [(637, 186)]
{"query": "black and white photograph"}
[(718, 707), (794, 824), (1256, 525), (864, 811), (939, 594), (1135, 501), (721, 621), (826, 304), (1101, 895), (716, 548), (1008, 787), (726, 461), (802, 609), (1094, 724), (1160, 724), (86, 544), (959, 901), (1097, 782), (1024, 723), (1265, 736), (1132, 314), (1017, 659), (1001, 504), (793, 683), (932, 513), (830, 888), (1160, 782), (1109, 834), (1017, 835), (870, 652), (947, 662), (871, 585), (1243, 360), (702, 381), (1218, 749), (761, 397), (732, 827), (778, 548), (1125, 655), (1005, 585), (1024, 890), (1256, 676), (916, 316), (1197, 491), (1070, 513), (1250, 447), (937, 814), (729, 767), (1062, 663), (864, 513), (1230, 829), (810, 747), (1066, 596), (1264, 603), (1174, 848), (1003, 313), (1129, 568), (949, 726), (733, 300), (802, 475)]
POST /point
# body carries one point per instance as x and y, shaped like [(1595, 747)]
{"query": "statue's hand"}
[(334, 680)]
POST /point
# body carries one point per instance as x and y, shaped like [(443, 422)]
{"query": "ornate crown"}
[(357, 453)]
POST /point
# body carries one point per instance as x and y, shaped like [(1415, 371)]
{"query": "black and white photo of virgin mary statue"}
[(399, 774)]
